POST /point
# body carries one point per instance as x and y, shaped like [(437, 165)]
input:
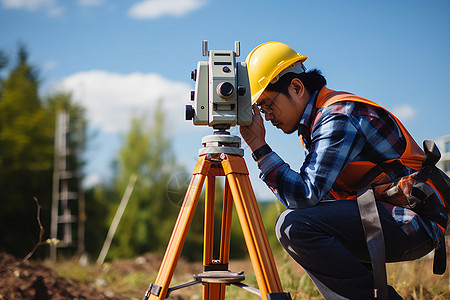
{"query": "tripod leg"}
[(211, 291), (226, 224), (225, 234), (208, 235), (216, 290), (180, 230), (252, 226)]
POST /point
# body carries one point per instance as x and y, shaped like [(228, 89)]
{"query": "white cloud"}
[(151, 9), (112, 99), (404, 112), (51, 6)]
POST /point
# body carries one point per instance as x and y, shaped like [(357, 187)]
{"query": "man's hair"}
[(313, 80)]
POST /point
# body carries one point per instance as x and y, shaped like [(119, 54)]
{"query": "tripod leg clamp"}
[(279, 296), (215, 267), (153, 289)]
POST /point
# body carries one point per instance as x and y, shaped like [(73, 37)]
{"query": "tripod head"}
[(222, 95)]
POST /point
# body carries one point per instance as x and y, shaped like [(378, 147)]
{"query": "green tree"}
[(26, 137), (149, 217), (26, 153)]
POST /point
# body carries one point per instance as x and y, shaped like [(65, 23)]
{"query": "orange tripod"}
[(221, 157)]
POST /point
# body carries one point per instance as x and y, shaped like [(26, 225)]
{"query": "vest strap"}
[(442, 183), (384, 167), (375, 240), (440, 258)]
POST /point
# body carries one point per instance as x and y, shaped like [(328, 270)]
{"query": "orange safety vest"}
[(349, 181)]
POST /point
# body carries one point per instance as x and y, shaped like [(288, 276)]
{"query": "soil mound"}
[(30, 280)]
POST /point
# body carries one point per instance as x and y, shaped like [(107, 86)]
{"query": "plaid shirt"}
[(344, 132)]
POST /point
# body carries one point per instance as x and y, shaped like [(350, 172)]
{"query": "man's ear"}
[(297, 87)]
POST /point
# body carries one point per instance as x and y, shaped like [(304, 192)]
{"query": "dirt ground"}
[(30, 280), (21, 279)]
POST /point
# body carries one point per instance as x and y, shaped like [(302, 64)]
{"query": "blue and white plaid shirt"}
[(345, 132)]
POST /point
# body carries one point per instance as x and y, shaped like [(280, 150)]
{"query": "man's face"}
[(286, 112)]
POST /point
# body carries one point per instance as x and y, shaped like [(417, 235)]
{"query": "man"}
[(347, 137)]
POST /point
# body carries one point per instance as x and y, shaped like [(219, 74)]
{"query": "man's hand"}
[(254, 134)]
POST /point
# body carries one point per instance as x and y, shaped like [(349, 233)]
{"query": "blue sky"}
[(119, 57)]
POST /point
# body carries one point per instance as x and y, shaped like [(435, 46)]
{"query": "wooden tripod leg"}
[(211, 291), (225, 234), (216, 291), (180, 230), (252, 226), (208, 235), (226, 224)]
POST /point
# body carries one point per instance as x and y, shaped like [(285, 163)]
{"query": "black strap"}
[(389, 168), (392, 167), (442, 183), (440, 258), (375, 240)]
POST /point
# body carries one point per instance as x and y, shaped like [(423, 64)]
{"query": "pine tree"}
[(26, 141), (26, 153)]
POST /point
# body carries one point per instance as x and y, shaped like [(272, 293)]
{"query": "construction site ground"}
[(128, 279), (30, 279)]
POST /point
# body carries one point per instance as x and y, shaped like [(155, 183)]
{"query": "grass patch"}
[(412, 280)]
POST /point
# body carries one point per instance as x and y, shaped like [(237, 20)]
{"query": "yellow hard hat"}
[(266, 62)]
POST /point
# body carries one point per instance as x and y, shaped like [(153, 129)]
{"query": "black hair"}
[(313, 80)]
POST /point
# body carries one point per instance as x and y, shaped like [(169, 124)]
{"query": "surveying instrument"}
[(222, 99)]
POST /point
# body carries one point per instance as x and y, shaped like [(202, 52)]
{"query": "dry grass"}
[(412, 280), (415, 280)]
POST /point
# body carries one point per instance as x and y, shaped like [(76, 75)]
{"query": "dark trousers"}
[(328, 241)]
